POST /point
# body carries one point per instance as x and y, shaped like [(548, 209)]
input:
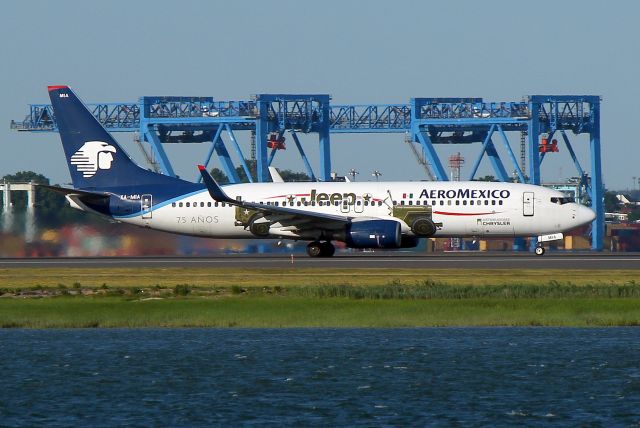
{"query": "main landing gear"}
[(539, 249), (320, 249)]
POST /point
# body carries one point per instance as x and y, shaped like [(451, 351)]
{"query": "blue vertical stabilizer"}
[(95, 159)]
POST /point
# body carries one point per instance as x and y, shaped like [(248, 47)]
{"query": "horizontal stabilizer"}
[(96, 202), (70, 191)]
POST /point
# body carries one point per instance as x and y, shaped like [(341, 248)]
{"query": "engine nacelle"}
[(373, 234)]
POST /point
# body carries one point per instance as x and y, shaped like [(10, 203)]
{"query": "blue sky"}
[(359, 52)]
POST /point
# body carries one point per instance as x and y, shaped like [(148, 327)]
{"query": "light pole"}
[(353, 174), (377, 174)]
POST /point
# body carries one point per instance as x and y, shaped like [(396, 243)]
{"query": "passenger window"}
[(209, 204), (441, 203), (486, 202), (500, 202), (173, 204), (410, 202), (434, 203), (180, 204), (215, 204), (401, 202), (448, 201), (464, 202), (471, 202), (188, 204), (457, 202), (493, 202), (298, 203), (379, 203), (358, 203)]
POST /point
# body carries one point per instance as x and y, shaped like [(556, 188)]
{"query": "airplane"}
[(384, 215)]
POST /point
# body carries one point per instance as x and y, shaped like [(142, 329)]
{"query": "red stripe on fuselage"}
[(464, 214)]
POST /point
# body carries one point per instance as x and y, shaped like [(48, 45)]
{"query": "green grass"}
[(66, 312), (289, 275), (288, 297)]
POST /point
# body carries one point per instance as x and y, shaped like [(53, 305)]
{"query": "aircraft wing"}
[(282, 215)]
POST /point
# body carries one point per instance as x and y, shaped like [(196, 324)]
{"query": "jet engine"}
[(373, 234)]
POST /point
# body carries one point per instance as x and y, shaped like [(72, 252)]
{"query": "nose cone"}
[(585, 215)]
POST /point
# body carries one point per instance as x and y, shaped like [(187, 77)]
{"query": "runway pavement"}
[(384, 260)]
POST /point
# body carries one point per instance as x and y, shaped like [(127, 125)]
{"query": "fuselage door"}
[(527, 204), (358, 205), (146, 205)]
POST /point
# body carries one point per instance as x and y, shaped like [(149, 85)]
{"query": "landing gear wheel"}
[(328, 250), (539, 250), (320, 249), (314, 249)]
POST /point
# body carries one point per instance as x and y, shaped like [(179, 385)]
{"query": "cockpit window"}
[(563, 200)]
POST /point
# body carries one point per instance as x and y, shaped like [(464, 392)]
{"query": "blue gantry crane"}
[(159, 120)]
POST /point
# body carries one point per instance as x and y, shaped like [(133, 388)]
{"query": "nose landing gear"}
[(539, 250), (320, 249)]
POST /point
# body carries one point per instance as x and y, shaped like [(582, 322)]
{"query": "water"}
[(370, 377)]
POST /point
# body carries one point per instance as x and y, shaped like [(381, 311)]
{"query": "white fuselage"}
[(482, 209)]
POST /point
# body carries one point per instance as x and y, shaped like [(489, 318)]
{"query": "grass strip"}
[(269, 312), (395, 289), (286, 275), (159, 297)]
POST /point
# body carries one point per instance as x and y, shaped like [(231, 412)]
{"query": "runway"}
[(387, 260)]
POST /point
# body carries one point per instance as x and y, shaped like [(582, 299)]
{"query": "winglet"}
[(214, 188), (275, 175)]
